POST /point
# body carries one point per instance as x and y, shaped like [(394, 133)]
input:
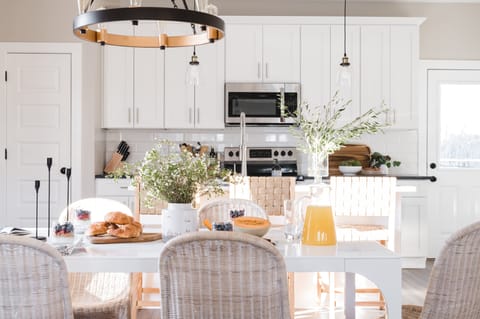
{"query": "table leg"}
[(349, 295), (387, 276)]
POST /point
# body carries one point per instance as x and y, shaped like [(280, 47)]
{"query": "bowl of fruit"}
[(251, 225), (63, 233)]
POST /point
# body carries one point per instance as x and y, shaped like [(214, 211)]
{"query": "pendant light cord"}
[(345, 28)]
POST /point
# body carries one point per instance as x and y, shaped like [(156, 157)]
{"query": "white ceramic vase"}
[(178, 219), (384, 169)]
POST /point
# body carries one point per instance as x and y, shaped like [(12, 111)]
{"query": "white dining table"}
[(368, 258)]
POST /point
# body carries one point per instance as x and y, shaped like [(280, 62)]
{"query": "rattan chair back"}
[(33, 280), (217, 275)]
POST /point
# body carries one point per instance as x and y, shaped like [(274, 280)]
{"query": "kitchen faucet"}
[(243, 146)]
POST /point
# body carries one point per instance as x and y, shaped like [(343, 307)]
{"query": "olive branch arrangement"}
[(319, 130)]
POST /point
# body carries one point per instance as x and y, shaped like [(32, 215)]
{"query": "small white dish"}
[(349, 170)]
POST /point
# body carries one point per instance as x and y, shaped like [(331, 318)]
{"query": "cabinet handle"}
[(123, 187), (137, 115), (394, 116), (190, 115), (259, 70), (129, 115), (198, 115), (266, 70)]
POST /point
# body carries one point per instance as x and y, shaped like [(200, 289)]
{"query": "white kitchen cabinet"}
[(414, 225), (133, 82), (374, 66), (119, 190), (404, 55), (187, 106), (315, 66), (262, 53), (118, 81)]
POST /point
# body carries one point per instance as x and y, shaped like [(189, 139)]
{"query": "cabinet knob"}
[(433, 165)]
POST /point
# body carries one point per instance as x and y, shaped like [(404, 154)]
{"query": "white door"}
[(38, 126), (453, 152)]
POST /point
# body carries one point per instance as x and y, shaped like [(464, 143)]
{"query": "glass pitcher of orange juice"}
[(319, 225)]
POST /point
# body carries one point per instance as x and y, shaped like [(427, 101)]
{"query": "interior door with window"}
[(453, 156), (38, 108)]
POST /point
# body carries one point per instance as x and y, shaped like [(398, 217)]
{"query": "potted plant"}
[(176, 176), (382, 163), (320, 132)]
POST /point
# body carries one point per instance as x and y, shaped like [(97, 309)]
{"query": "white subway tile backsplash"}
[(400, 145)]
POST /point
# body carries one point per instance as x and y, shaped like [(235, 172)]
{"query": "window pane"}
[(460, 125)]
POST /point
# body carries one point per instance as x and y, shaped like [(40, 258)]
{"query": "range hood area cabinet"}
[(133, 82), (189, 106), (262, 53), (384, 59)]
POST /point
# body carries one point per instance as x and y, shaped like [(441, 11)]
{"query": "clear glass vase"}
[(317, 166)]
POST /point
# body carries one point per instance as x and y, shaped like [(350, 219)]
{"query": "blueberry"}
[(228, 226)]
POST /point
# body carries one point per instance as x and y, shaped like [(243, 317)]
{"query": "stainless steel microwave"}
[(261, 102)]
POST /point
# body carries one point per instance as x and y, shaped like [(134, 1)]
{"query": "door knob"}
[(433, 165)]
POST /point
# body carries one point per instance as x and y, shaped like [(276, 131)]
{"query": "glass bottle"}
[(276, 168), (319, 224)]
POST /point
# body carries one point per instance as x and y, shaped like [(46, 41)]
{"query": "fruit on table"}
[(235, 213), (82, 214), (207, 224), (65, 229), (251, 225), (222, 226)]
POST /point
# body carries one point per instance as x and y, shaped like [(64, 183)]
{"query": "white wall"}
[(450, 31)]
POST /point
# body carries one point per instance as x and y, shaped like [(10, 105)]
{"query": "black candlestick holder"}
[(49, 166), (37, 187)]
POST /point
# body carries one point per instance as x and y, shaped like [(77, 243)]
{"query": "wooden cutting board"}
[(108, 239)]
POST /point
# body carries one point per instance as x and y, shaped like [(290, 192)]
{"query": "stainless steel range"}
[(260, 160)]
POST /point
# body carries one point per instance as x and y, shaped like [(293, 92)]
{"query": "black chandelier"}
[(89, 25)]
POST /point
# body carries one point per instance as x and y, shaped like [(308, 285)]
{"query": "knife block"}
[(114, 163)]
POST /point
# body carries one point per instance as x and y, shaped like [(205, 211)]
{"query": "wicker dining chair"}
[(33, 280), (219, 210), (213, 275), (454, 287), (100, 295)]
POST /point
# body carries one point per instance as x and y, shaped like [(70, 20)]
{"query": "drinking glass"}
[(293, 220)]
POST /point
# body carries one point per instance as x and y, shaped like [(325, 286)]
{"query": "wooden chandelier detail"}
[(212, 27)]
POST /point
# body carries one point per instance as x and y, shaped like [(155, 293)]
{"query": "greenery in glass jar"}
[(175, 176), (319, 130)]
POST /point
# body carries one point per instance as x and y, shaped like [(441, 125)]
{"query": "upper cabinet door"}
[(375, 66), (243, 50), (148, 82), (353, 52), (179, 97), (315, 66), (281, 53), (118, 81), (209, 96), (403, 80)]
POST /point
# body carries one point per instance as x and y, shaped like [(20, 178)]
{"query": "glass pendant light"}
[(344, 77), (193, 70)]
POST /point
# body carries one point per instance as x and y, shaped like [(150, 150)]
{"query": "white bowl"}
[(350, 170)]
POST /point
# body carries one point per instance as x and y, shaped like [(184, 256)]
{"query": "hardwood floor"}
[(414, 285)]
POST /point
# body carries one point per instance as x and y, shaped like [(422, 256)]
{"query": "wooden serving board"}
[(108, 239)]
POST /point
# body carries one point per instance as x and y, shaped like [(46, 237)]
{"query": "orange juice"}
[(319, 227)]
